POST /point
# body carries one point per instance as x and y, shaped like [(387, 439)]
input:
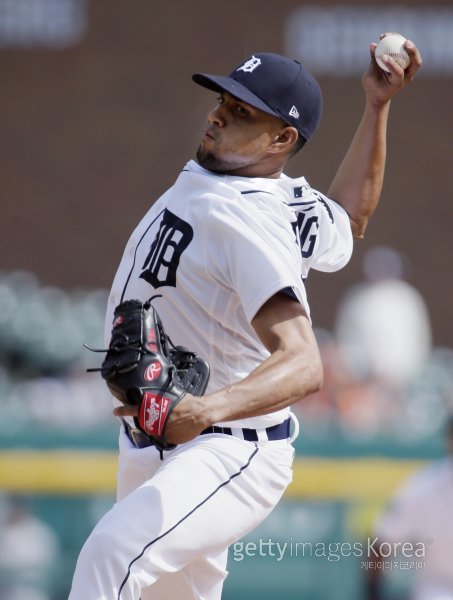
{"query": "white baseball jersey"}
[(216, 247)]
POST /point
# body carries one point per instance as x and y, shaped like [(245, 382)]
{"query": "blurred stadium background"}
[(98, 113)]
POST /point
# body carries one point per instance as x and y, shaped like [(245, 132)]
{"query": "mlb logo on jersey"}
[(300, 189)]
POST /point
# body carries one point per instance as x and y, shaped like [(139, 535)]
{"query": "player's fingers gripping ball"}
[(142, 367), (392, 45)]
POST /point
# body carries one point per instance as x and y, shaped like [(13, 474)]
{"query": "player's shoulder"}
[(308, 200), (247, 198)]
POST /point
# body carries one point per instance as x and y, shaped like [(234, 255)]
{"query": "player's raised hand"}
[(380, 85)]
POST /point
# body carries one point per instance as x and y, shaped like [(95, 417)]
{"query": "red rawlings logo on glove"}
[(153, 413), (152, 371)]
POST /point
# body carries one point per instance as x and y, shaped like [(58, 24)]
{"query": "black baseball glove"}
[(142, 367)]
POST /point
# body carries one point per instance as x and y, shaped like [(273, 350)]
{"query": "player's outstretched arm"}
[(357, 184), (292, 371)]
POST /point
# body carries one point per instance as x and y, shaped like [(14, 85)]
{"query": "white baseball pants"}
[(168, 534)]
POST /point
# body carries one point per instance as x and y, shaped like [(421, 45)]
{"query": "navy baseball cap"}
[(275, 84)]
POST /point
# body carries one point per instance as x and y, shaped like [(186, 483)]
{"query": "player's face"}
[(238, 139)]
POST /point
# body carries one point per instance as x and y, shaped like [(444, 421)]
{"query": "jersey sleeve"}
[(324, 231), (255, 253)]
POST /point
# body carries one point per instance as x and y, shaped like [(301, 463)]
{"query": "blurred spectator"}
[(43, 328), (75, 402), (347, 403), (382, 325), (29, 551), (42, 334), (420, 517)]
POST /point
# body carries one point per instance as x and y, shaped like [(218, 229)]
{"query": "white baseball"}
[(392, 45)]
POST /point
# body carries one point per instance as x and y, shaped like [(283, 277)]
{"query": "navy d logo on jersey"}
[(162, 262)]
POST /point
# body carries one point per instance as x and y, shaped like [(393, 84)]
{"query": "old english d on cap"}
[(277, 85)]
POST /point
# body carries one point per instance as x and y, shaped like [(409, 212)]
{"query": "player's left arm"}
[(357, 184)]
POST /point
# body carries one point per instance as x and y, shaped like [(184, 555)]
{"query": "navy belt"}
[(276, 432)]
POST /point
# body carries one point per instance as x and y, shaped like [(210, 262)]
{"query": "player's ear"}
[(284, 140)]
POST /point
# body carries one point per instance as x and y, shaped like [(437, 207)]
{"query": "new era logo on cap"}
[(275, 84)]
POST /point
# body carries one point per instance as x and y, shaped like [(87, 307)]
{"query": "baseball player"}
[(224, 252)]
